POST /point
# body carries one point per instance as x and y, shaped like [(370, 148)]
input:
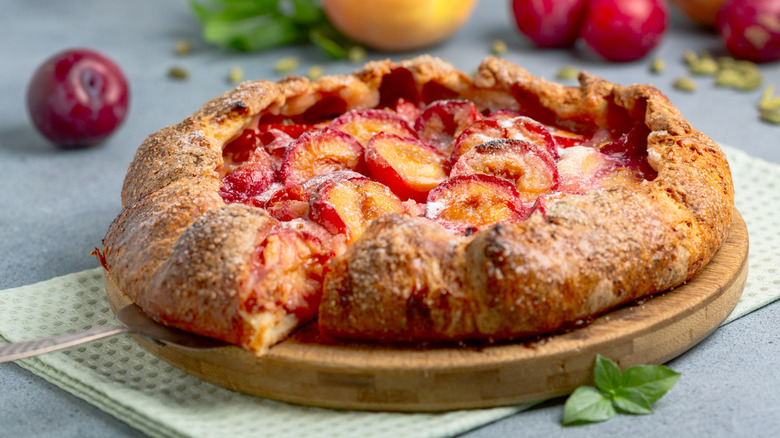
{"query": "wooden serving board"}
[(366, 376)]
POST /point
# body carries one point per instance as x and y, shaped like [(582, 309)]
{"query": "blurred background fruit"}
[(549, 23), (623, 31), (77, 98), (618, 31), (398, 25), (750, 29), (702, 12)]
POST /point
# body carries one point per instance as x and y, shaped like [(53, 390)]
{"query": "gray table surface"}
[(55, 205)]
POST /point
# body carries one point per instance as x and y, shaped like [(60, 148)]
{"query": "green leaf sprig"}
[(255, 25), (631, 392)]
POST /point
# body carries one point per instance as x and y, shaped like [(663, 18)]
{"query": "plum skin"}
[(549, 23), (77, 98), (623, 31), (750, 29)]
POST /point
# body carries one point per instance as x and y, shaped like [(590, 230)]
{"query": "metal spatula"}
[(133, 320)]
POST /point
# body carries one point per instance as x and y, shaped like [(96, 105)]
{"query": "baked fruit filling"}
[(457, 166), (325, 178)]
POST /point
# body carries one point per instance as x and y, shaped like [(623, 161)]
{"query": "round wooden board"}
[(304, 369)]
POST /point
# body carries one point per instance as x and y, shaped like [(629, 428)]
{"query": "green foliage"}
[(254, 25), (630, 392)]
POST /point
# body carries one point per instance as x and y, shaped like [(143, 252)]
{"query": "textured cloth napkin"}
[(122, 378)]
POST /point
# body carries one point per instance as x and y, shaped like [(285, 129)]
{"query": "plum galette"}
[(411, 202)]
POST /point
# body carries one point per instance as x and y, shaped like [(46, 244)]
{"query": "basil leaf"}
[(329, 46), (233, 10), (587, 405), (273, 34), (304, 11), (606, 374), (201, 12), (631, 401), (652, 381), (250, 25)]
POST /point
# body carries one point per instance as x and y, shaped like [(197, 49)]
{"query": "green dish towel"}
[(122, 378)]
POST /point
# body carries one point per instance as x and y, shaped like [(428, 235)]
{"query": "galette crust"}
[(182, 254)]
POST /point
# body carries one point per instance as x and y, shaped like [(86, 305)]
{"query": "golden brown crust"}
[(171, 154), (141, 238), (202, 285), (183, 255)]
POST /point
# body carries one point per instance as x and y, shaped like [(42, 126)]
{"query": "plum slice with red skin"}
[(294, 130), (287, 203), (504, 113), (563, 138), (408, 110), (276, 143), (543, 202), (240, 149), (566, 139), (530, 167), (520, 128), (467, 203), (579, 166), (363, 124), (630, 150), (250, 179), (442, 121), (526, 128), (286, 272), (292, 201), (410, 167), (480, 132), (346, 205), (245, 182), (274, 137), (320, 152), (582, 169)]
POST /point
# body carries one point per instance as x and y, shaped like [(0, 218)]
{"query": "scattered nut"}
[(314, 72), (498, 48), (700, 65), (770, 116), (356, 54), (182, 47), (737, 74), (769, 106), (235, 75), (732, 73), (726, 61), (286, 65), (685, 84), (690, 57), (567, 73), (768, 101), (178, 72), (727, 78), (750, 81), (705, 66), (658, 66)]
